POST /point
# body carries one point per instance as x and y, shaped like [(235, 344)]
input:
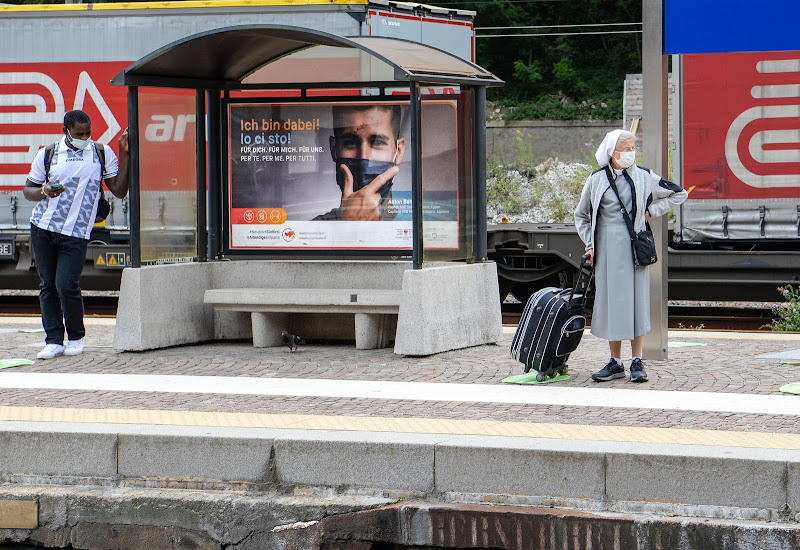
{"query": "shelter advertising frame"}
[(284, 191)]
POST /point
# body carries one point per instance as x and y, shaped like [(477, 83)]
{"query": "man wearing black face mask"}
[(367, 150)]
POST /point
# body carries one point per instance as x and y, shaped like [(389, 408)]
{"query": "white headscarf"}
[(607, 147)]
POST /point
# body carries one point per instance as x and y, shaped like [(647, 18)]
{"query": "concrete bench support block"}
[(448, 306), (374, 330), (161, 306), (267, 329)]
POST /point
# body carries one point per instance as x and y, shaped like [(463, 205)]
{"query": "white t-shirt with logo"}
[(73, 212)]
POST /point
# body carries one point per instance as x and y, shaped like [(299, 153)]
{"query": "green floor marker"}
[(790, 362), (794, 388), (530, 378), (29, 330), (685, 344), (11, 363)]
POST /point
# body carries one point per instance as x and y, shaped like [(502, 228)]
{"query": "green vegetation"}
[(578, 76), (788, 314)]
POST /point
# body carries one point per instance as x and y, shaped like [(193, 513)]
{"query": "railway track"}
[(711, 317), (27, 304), (688, 317)]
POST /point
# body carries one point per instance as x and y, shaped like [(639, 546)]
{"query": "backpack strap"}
[(101, 156), (48, 160)]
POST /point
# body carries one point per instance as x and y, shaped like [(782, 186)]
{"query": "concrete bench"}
[(375, 310)]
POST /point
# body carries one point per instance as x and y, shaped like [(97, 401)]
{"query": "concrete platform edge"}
[(607, 476)]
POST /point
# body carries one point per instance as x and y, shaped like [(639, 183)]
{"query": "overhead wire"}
[(556, 26), (555, 34)]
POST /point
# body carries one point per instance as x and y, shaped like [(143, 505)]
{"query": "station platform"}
[(710, 435)]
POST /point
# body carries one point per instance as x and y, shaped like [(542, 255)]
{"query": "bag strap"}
[(48, 160), (101, 156), (624, 211)]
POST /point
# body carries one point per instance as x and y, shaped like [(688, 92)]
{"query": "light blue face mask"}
[(79, 144)]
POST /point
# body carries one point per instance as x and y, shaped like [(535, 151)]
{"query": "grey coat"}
[(653, 194)]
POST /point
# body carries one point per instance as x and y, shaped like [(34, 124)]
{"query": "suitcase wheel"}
[(540, 377)]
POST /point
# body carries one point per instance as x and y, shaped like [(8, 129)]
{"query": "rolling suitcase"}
[(551, 328)]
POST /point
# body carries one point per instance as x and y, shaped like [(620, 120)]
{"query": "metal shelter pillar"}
[(214, 175), (416, 177), (480, 174), (200, 140), (133, 175), (655, 119)]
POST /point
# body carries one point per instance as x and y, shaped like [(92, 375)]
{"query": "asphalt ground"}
[(730, 364)]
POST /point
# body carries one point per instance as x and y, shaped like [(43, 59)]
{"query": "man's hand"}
[(123, 142), (590, 253), (51, 191), (363, 204), (646, 216)]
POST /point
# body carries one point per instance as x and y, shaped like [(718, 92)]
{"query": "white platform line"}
[(410, 391)]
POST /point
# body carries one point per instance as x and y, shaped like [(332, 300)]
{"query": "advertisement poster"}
[(338, 176)]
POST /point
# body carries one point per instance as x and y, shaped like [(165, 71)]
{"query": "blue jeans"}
[(59, 262)]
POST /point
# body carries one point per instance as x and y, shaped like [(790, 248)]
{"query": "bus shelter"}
[(302, 146), (267, 93)]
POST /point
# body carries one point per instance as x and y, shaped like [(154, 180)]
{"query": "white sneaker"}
[(74, 347), (50, 351)]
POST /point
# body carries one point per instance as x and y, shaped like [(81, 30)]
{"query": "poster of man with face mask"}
[(338, 176)]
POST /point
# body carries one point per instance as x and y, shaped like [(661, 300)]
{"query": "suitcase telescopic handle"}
[(585, 258)]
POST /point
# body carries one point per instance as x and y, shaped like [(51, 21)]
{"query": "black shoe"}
[(637, 371), (609, 372)]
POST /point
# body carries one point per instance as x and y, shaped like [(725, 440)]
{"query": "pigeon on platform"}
[(292, 340)]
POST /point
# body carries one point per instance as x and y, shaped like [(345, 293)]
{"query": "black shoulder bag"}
[(643, 244)]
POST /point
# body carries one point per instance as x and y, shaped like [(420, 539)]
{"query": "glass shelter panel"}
[(167, 175), (323, 64), (448, 208)]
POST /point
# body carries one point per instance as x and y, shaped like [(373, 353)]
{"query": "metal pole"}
[(416, 177), (133, 174), (479, 185), (200, 147), (655, 122), (214, 176)]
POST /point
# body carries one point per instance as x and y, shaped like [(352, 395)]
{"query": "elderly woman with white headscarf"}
[(622, 299)]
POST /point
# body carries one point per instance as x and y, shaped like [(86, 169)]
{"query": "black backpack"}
[(103, 207)]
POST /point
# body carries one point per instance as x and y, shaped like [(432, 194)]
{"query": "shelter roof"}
[(239, 57)]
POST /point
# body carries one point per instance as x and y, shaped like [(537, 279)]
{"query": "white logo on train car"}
[(167, 127), (768, 147), (31, 108)]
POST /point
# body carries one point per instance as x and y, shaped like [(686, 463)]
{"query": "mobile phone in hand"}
[(56, 186)]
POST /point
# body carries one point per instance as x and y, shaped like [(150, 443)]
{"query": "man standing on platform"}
[(68, 190)]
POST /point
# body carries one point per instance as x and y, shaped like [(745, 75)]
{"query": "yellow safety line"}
[(174, 4), (678, 436)]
